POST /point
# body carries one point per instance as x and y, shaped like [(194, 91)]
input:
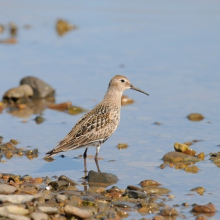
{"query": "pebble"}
[(39, 216), (7, 189), (48, 209), (71, 210), (17, 217), (208, 208), (122, 204), (61, 198), (176, 157), (168, 211), (5, 212), (195, 117), (136, 194), (17, 199), (13, 209), (201, 217), (145, 183)]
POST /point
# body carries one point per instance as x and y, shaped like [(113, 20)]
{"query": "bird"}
[(96, 126)]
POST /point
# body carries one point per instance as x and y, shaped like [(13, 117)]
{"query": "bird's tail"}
[(51, 153)]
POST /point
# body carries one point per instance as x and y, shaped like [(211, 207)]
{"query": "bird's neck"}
[(112, 98)]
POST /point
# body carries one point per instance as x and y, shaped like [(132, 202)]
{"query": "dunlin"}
[(95, 127)]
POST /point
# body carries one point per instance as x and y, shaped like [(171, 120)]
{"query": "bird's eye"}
[(122, 80)]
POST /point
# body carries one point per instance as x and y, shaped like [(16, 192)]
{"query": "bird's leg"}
[(96, 157), (84, 156)]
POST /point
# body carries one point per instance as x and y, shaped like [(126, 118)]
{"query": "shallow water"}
[(169, 49)]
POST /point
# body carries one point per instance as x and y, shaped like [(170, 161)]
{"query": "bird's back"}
[(95, 126)]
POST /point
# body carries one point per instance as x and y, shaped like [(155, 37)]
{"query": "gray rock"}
[(136, 194), (16, 199), (82, 213), (99, 177), (61, 198), (41, 89), (39, 216), (48, 209), (7, 189)]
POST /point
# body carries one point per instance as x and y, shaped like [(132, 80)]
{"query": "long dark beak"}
[(139, 90)]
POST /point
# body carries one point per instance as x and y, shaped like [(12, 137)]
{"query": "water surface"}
[(170, 49)]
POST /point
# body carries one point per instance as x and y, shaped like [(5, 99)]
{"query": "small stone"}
[(48, 209), (176, 157), (63, 27), (122, 146), (136, 194), (39, 216), (7, 189), (13, 28), (195, 117), (17, 217), (61, 198), (39, 119), (156, 190), (192, 169), (145, 183), (75, 110), (22, 92), (168, 211), (200, 190), (38, 180), (201, 217), (201, 156), (16, 199), (60, 107), (158, 217), (13, 141), (180, 147), (208, 208), (68, 180), (30, 190), (122, 204), (13, 209), (82, 213)]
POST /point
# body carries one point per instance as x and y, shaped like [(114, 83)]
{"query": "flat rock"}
[(16, 199), (122, 204), (102, 178), (176, 157), (208, 208), (156, 190), (39, 216), (17, 217), (13, 209), (48, 209), (7, 189), (41, 89), (4, 212), (82, 213)]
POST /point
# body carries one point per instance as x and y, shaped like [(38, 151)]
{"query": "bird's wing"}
[(96, 125)]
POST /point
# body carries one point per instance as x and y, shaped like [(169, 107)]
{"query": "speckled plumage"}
[(95, 127)]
